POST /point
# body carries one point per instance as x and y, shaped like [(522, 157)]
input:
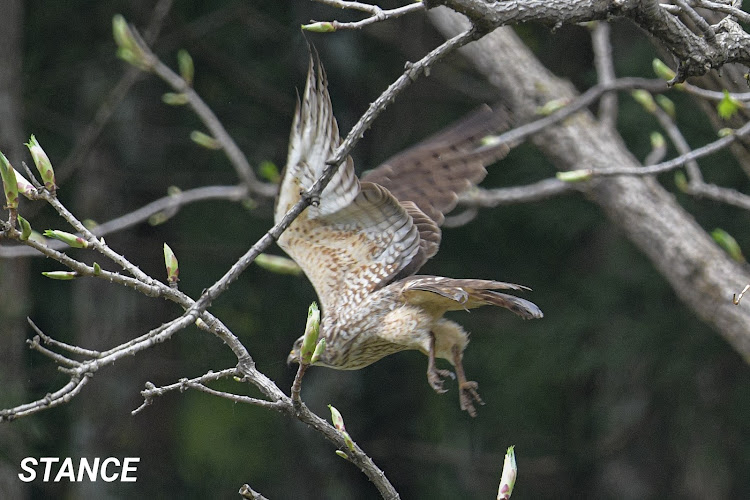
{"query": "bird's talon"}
[(436, 379), (469, 396)]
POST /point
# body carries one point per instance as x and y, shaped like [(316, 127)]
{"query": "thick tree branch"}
[(726, 42)]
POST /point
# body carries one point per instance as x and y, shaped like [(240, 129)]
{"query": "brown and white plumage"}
[(362, 243)]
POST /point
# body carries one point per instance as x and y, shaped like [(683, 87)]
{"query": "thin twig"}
[(726, 9), (680, 143), (62, 345), (168, 205), (713, 95), (605, 71), (700, 22), (377, 14), (679, 161), (198, 383), (114, 98), (233, 152), (537, 191)]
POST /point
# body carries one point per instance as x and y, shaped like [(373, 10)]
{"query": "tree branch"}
[(164, 208), (726, 43), (376, 15)]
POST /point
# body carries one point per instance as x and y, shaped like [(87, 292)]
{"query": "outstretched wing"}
[(359, 236), (434, 172), (312, 141)]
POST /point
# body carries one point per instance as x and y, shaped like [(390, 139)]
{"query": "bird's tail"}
[(449, 294), (524, 308)]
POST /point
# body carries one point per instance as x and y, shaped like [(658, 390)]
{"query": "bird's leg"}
[(467, 389), (434, 375)]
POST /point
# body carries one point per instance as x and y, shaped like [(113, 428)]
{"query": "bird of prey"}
[(361, 244)]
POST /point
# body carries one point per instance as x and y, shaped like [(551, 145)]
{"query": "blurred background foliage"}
[(619, 392)]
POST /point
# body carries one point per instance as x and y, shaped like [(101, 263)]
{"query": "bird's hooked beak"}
[(292, 358)]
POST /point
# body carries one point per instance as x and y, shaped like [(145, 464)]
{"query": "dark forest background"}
[(619, 392)]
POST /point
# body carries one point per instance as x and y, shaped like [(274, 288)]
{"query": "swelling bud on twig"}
[(338, 423), (658, 141), (728, 243), (728, 106), (645, 99), (510, 472), (318, 351), (552, 106), (25, 187), (10, 184), (60, 275), (67, 238), (575, 175), (43, 165), (269, 171), (278, 264), (174, 99), (319, 27), (185, 63), (312, 330), (336, 418), (204, 140), (127, 46), (681, 182), (173, 267), (662, 70), (667, 105), (25, 228)]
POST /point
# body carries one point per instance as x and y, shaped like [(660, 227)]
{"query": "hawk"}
[(361, 244)]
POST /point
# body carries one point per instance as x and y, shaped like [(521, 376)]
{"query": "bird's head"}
[(294, 355)]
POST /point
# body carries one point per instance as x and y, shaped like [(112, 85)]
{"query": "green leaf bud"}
[(662, 70), (667, 105), (185, 63), (278, 264), (318, 351), (174, 99), (508, 478), (61, 275), (25, 187), (575, 175), (336, 418), (204, 140), (25, 228), (173, 267), (728, 106), (312, 330), (728, 243), (67, 238), (645, 99), (10, 184), (43, 165), (319, 27)]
